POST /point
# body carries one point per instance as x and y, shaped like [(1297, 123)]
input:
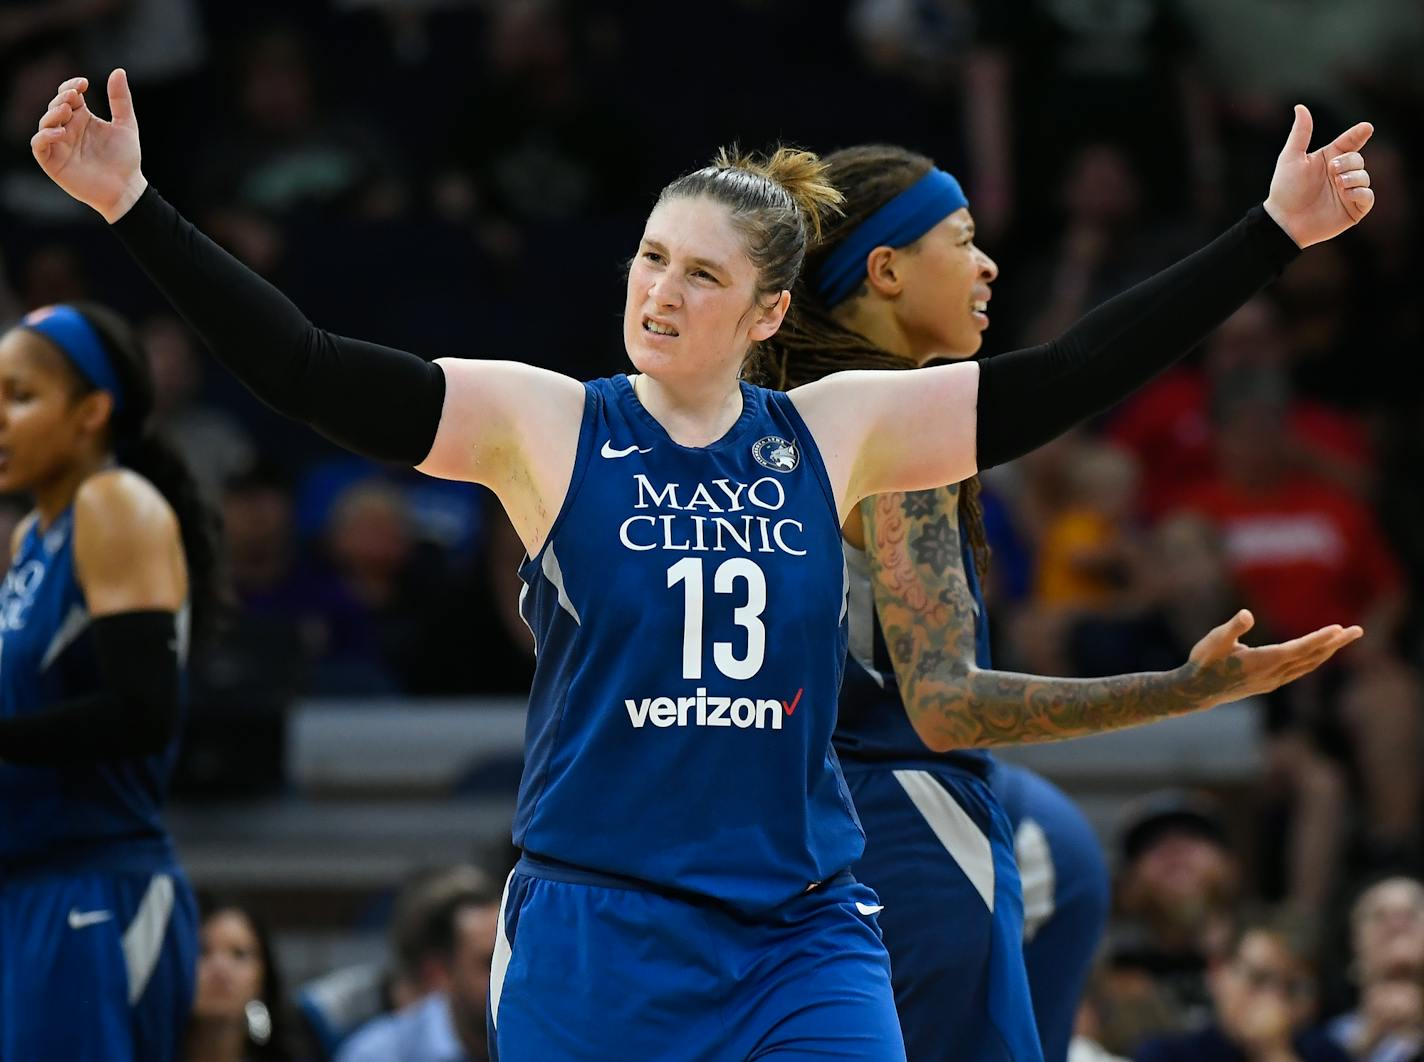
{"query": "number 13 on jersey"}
[(688, 572)]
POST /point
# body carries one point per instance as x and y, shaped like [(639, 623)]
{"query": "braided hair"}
[(811, 343)]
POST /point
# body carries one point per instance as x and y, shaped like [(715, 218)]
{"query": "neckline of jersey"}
[(624, 383)]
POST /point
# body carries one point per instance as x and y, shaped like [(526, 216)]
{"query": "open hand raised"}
[(1239, 671), (95, 161)]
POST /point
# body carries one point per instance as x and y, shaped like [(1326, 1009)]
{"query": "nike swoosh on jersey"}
[(80, 919), (869, 908), (608, 450)]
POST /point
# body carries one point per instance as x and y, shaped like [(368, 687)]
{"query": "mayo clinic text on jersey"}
[(704, 524)]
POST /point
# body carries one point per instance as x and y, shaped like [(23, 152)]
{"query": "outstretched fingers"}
[(1294, 658)]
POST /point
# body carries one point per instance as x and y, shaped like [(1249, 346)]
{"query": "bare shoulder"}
[(510, 386), (120, 508), (514, 428), (495, 413), (128, 550)]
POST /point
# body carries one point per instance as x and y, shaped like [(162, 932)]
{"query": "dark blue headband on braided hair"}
[(901, 221)]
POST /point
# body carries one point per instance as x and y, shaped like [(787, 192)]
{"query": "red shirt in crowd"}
[(1304, 552), (1167, 427)]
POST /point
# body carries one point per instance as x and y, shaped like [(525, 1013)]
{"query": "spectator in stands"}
[(1177, 888), (443, 934), (1188, 583), (408, 592), (1387, 926), (1048, 77), (295, 151), (1168, 425), (1107, 241), (215, 445), (537, 142), (1301, 548), (1089, 555), (1264, 992), (30, 80), (240, 1012)]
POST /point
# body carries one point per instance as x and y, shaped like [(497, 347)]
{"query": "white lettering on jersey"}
[(711, 534), (709, 530), (17, 593), (744, 713)]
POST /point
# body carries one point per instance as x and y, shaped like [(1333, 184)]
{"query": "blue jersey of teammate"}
[(688, 609), (1064, 886), (873, 726), (94, 817)]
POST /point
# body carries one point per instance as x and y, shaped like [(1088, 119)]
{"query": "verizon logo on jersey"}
[(702, 710)]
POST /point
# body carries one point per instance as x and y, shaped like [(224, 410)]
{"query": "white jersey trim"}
[(143, 940), (555, 575), (859, 604), (76, 622), (499, 963), (962, 839), (1035, 860)]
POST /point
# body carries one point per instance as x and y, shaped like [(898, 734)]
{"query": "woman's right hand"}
[(95, 161)]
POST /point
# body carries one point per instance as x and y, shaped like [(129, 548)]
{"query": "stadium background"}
[(467, 178)]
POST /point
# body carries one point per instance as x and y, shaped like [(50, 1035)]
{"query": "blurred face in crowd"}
[(1187, 560), (44, 425), (257, 531), (1102, 187), (230, 969), (1252, 336), (1388, 926), (277, 90), (1179, 881), (692, 309), (1252, 443), (470, 972), (1263, 992), (171, 361), (369, 532)]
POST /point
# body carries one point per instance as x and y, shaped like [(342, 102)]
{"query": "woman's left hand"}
[(1317, 195)]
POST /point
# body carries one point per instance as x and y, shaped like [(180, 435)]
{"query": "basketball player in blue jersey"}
[(98, 928), (896, 282), (684, 891)]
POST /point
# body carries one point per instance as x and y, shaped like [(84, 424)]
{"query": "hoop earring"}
[(259, 1022)]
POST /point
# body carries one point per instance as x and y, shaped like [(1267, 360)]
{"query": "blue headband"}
[(901, 221), (71, 332)]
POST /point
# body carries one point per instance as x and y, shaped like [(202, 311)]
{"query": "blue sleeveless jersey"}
[(873, 726), (81, 817), (689, 615)]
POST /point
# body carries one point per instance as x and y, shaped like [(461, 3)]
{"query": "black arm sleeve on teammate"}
[(1028, 397), (134, 714), (376, 400)]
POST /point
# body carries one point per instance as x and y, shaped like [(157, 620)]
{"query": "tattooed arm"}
[(926, 611)]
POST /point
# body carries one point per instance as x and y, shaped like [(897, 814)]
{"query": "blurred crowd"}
[(466, 178)]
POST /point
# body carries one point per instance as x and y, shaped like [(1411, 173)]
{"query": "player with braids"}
[(897, 283), (98, 928), (684, 890)]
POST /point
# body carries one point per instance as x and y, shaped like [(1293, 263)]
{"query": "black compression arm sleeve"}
[(134, 714), (1030, 396), (376, 400)]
